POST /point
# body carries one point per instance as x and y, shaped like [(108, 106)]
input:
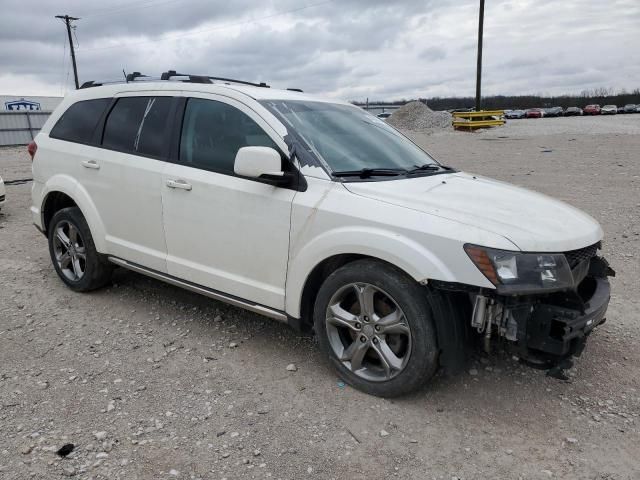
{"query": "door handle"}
[(178, 184), (90, 164)]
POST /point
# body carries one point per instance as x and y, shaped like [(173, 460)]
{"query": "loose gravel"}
[(147, 381), (418, 117)]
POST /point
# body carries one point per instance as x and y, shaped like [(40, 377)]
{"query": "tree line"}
[(601, 96)]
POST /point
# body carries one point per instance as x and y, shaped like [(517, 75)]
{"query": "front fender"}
[(70, 187), (416, 260)]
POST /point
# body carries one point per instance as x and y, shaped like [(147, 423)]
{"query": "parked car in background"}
[(630, 108), (514, 114), (553, 112), (573, 112), (620, 109), (609, 110), (534, 113), (2, 193), (637, 108), (316, 214), (592, 109), (384, 115)]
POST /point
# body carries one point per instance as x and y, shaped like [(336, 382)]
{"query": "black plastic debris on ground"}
[(66, 449)]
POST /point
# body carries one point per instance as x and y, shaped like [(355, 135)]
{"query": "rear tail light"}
[(32, 148)]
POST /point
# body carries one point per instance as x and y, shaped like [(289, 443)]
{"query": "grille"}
[(574, 257)]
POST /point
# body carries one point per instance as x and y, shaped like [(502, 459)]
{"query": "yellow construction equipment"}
[(482, 119)]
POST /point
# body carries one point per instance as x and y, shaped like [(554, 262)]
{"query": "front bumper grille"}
[(576, 257)]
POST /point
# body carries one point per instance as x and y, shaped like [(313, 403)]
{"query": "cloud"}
[(348, 49)]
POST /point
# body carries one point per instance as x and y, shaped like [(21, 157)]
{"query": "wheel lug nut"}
[(375, 340), (363, 339), (366, 319), (358, 325), (377, 327)]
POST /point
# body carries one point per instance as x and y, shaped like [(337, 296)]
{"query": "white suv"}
[(317, 214)]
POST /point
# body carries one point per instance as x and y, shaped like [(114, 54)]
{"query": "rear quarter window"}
[(79, 121)]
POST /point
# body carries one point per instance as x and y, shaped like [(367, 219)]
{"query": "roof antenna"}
[(125, 76)]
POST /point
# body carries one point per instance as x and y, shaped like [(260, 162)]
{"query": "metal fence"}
[(20, 127)]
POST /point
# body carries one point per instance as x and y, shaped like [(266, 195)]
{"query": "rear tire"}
[(73, 253), (374, 324)]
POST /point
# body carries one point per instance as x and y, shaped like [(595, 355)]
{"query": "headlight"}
[(522, 273)]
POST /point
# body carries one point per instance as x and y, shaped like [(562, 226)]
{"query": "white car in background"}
[(317, 214), (609, 110), (2, 193)]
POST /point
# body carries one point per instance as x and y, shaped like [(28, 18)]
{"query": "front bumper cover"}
[(558, 329)]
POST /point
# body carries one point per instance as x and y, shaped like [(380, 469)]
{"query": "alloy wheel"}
[(69, 250), (368, 332)]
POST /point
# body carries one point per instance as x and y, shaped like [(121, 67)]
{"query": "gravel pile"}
[(417, 117)]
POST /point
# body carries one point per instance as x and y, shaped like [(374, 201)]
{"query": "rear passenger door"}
[(223, 231), (124, 177)]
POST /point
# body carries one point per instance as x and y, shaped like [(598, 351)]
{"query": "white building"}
[(28, 102)]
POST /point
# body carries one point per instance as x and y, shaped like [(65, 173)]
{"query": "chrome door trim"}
[(237, 302)]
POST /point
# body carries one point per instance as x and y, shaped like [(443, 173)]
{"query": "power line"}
[(64, 58), (208, 30), (67, 20), (75, 35), (126, 7)]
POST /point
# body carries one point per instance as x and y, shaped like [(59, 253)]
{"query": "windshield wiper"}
[(429, 167), (370, 172)]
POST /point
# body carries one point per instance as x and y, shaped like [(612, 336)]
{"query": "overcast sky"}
[(347, 49)]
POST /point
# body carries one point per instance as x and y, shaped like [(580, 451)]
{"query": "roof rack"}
[(168, 75), (130, 77), (208, 79)]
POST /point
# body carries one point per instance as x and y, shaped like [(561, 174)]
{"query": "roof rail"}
[(295, 90), (192, 78), (207, 79), (130, 77), (168, 75), (90, 83)]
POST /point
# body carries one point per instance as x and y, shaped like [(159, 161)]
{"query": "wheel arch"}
[(315, 279), (450, 310), (62, 191), (327, 252)]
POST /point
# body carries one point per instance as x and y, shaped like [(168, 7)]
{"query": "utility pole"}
[(479, 66), (67, 20)]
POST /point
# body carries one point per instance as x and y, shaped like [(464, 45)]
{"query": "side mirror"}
[(256, 162)]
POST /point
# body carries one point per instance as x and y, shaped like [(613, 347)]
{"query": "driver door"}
[(225, 232)]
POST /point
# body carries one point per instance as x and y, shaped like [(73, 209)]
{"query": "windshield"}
[(347, 138)]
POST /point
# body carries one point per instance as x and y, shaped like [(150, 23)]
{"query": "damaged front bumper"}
[(557, 327), (545, 329)]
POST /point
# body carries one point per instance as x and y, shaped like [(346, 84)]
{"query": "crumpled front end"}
[(545, 329)]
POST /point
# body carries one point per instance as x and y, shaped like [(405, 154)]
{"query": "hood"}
[(530, 220)]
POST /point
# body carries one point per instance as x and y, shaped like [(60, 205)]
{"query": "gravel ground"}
[(149, 382)]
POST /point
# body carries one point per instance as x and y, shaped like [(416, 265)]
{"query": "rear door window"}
[(80, 120), (137, 125)]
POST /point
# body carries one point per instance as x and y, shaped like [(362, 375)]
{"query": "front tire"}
[(73, 253), (375, 326)]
